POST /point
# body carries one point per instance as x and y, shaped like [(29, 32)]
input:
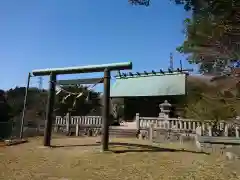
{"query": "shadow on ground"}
[(74, 145), (149, 148), (130, 147)]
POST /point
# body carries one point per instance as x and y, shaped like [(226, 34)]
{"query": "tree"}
[(78, 99), (4, 107), (212, 33), (5, 125), (35, 107), (89, 103), (139, 2), (81, 101), (208, 102)]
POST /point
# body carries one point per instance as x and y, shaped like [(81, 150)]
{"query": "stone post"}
[(137, 121), (226, 130), (68, 119), (151, 131), (210, 130), (77, 127), (237, 132)]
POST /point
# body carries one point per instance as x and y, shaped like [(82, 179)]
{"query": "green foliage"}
[(212, 33), (36, 102), (117, 107), (5, 116), (207, 102), (238, 89), (87, 102), (139, 2), (4, 108), (204, 102)]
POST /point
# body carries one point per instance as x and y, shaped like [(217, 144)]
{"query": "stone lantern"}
[(165, 108)]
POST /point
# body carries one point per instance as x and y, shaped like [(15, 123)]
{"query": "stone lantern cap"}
[(165, 106)]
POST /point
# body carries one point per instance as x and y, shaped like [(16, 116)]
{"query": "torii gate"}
[(53, 72)]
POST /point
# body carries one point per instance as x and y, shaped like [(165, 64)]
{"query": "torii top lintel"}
[(83, 69)]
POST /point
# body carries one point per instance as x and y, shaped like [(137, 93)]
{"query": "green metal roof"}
[(155, 85)]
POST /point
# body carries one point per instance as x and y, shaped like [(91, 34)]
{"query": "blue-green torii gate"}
[(53, 72)]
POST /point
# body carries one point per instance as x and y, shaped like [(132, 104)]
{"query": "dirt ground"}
[(129, 159)]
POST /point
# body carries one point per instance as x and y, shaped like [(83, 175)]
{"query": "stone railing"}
[(81, 120), (223, 143), (189, 125), (144, 123), (77, 122), (200, 132)]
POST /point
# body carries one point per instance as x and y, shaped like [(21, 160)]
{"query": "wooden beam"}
[(83, 69), (80, 81)]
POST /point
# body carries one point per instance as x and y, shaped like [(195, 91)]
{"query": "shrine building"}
[(144, 92)]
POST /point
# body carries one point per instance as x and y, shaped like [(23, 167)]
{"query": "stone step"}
[(123, 132)]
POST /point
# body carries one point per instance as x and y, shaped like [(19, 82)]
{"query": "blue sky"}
[(58, 33)]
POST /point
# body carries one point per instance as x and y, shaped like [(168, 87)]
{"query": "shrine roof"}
[(150, 85)]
